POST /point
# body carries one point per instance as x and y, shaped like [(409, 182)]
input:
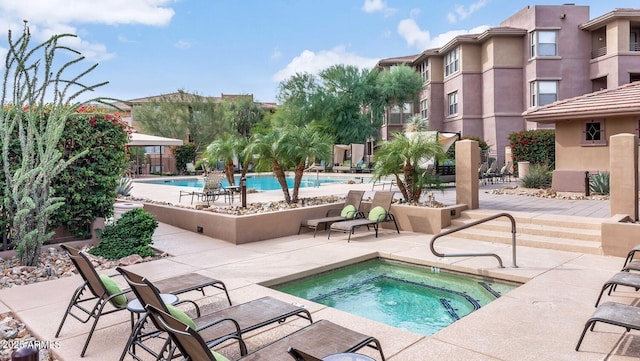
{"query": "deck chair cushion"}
[(181, 316), (348, 212), (112, 288), (377, 214)]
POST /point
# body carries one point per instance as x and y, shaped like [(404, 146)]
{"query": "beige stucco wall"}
[(470, 57), (573, 159), (570, 155)]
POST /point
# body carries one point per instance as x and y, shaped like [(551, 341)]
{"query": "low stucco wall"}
[(239, 229), (263, 226), (423, 219), (619, 235)]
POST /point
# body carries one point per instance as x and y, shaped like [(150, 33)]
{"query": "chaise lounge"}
[(617, 314), (319, 339), (349, 211), (104, 296), (246, 317), (380, 212)]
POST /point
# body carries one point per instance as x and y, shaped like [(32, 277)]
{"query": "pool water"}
[(258, 182), (417, 299)]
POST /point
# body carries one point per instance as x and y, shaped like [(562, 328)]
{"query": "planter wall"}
[(259, 227), (424, 219), (619, 235), (239, 229)]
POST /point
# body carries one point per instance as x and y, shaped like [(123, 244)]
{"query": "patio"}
[(542, 319)]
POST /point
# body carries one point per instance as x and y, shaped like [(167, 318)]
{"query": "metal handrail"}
[(469, 225)]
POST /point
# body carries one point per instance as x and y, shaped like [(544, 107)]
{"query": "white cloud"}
[(413, 35), (50, 17), (312, 62), (460, 12), (422, 40), (372, 6)]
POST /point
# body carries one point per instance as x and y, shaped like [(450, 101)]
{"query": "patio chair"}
[(247, 316), (617, 314), (211, 190), (349, 211), (629, 263), (380, 212), (91, 298), (319, 339)]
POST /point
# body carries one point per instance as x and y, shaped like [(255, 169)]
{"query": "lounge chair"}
[(211, 190), (380, 212), (629, 263), (247, 316), (627, 279), (319, 339), (617, 314), (105, 296), (349, 211)]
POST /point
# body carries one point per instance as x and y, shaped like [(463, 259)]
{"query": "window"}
[(593, 133), (395, 116), (453, 103), (424, 108), (544, 43), (543, 92), (451, 60), (424, 71)]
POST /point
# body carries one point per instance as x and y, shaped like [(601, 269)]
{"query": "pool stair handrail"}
[(469, 225)]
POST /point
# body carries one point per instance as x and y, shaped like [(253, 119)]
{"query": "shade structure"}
[(139, 139)]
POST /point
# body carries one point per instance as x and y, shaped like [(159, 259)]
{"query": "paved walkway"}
[(540, 320)]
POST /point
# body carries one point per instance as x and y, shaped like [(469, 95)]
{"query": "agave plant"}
[(599, 183), (125, 184)]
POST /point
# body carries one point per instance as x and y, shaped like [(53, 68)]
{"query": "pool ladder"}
[(469, 225)]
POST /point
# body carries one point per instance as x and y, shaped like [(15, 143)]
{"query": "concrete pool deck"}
[(540, 320)]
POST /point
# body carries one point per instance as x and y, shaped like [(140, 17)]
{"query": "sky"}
[(210, 47)]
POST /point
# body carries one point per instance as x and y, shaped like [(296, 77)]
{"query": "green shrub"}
[(539, 177), (130, 234), (451, 152), (599, 183)]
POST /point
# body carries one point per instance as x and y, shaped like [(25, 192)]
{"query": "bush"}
[(130, 234), (539, 177), (534, 146), (599, 183), (125, 184)]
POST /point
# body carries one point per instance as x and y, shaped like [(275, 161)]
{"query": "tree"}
[(400, 85), (246, 114), (305, 144), (270, 150), (178, 114), (402, 157), (283, 148), (228, 148), (36, 124)]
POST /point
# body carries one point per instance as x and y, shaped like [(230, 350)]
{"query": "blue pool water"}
[(413, 298), (258, 182)]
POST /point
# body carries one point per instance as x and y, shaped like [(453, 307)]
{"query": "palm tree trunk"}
[(282, 179), (299, 172), (229, 170)]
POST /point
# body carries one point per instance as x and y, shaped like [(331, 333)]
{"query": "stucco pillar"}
[(623, 165), (467, 163)]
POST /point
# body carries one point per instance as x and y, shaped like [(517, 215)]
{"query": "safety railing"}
[(472, 224)]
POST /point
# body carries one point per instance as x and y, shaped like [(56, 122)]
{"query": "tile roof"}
[(624, 100)]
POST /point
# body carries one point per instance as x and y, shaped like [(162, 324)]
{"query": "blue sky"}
[(210, 47)]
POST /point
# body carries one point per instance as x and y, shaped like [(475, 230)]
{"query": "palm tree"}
[(402, 157), (306, 143), (284, 148), (416, 124), (270, 152), (227, 148)]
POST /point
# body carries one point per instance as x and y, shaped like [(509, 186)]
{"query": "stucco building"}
[(481, 84)]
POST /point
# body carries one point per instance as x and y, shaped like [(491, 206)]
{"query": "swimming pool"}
[(265, 182), (417, 299)]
